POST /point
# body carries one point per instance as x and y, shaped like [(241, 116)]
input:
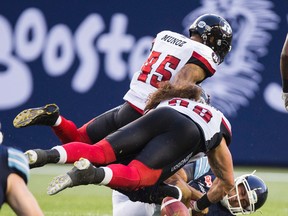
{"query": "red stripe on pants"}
[(133, 176), (68, 132), (100, 153)]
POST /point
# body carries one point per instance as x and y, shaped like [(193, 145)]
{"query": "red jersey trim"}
[(227, 127), (136, 108), (204, 61)]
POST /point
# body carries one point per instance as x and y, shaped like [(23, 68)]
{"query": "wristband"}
[(202, 203)]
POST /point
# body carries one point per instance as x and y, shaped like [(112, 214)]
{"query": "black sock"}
[(99, 175), (92, 175), (153, 194), (53, 156)]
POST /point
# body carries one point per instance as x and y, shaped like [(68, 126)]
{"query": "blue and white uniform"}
[(11, 161)]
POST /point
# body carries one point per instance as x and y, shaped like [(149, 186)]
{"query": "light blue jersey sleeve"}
[(201, 167), (17, 161)]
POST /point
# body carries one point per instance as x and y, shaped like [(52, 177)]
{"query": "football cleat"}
[(46, 115), (36, 158), (82, 173), (59, 183)]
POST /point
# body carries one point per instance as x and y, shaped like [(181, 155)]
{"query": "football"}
[(173, 207)]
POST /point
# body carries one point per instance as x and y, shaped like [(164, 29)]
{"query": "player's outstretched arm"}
[(221, 163), (20, 199)]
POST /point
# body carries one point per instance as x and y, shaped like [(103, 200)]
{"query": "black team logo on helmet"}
[(215, 32)]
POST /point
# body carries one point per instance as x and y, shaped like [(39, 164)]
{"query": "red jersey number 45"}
[(161, 73)]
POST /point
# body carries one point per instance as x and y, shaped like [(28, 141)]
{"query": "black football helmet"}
[(215, 32), (256, 190)]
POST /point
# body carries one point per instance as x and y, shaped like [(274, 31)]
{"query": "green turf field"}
[(96, 200)]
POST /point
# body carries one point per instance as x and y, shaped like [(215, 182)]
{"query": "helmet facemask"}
[(252, 194)]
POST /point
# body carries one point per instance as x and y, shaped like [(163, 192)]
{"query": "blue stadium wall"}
[(82, 54)]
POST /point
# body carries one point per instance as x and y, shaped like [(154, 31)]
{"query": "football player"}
[(14, 176), (146, 201), (250, 195), (284, 72), (160, 143), (173, 57)]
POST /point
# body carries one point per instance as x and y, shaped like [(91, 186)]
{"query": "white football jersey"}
[(170, 52), (211, 121)]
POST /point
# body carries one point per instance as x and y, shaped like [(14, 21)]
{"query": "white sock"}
[(108, 176), (58, 122), (63, 154)]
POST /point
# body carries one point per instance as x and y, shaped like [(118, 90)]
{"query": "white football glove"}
[(285, 98)]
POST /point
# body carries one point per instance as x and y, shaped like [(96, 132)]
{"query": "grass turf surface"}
[(96, 200)]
